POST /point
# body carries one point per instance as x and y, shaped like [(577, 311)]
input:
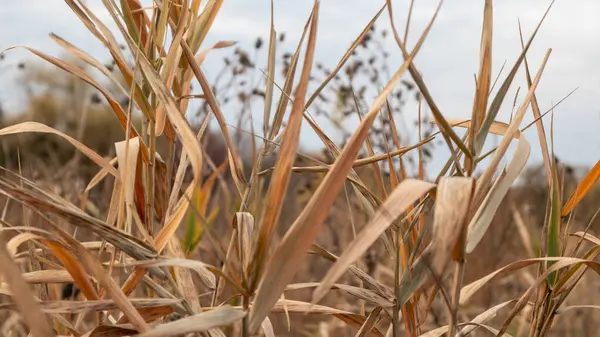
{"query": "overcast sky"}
[(447, 61)]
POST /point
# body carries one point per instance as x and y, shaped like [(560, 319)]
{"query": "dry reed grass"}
[(170, 236)]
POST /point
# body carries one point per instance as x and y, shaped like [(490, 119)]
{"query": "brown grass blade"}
[(151, 313), (170, 66), (270, 75), (70, 307), (397, 203), (111, 331), (96, 269), (41, 128), (360, 293), (244, 223), (200, 28), (539, 124), (234, 159), (368, 281), (287, 88), (369, 323), (222, 316), (202, 269), (13, 244), (183, 278), (584, 186), (74, 268), (281, 175), (483, 79), (22, 294)]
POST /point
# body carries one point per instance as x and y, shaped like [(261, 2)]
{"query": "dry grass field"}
[(125, 214)]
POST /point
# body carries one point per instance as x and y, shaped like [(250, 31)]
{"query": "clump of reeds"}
[(131, 246)]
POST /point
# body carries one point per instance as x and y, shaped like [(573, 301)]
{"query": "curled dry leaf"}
[(486, 211), (453, 201)]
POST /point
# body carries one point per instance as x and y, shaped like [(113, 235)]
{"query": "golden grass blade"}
[(267, 328), (483, 318), (270, 75), (553, 238), (234, 159), (397, 203), (41, 128), (170, 66), (102, 33), (22, 294), (111, 331), (222, 316), (482, 219), (96, 269), (74, 268), (127, 155), (584, 186), (151, 313), (305, 308), (368, 281), (539, 124), (244, 224), (361, 162), (70, 307), (483, 79), (281, 175), (200, 28), (369, 323), (136, 20), (297, 241), (202, 269), (360, 293), (183, 278), (287, 89), (560, 263), (13, 244), (47, 276)]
